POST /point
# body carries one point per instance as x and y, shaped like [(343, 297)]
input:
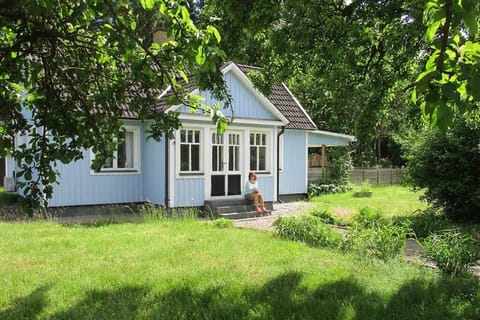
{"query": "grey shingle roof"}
[(286, 103)]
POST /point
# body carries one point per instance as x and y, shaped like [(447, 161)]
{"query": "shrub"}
[(322, 186), (446, 164), (223, 223), (367, 217), (428, 221), (381, 240), (325, 215), (308, 229), (364, 191), (452, 252)]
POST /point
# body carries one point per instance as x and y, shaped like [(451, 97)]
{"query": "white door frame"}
[(226, 170)]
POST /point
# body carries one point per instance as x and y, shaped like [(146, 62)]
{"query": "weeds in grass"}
[(367, 217), (223, 223), (308, 229), (154, 212), (383, 240), (452, 251), (427, 221)]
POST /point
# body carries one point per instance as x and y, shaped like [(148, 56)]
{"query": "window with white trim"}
[(127, 156), (258, 151), (189, 150)]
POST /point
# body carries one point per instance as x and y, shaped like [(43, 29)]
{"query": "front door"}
[(226, 174)]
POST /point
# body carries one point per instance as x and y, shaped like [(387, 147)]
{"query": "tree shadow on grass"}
[(283, 297), (28, 307)]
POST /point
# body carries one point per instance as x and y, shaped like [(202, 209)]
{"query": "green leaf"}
[(432, 30), (470, 16), (147, 4), (133, 25), (444, 116), (200, 57), (214, 31), (414, 95), (172, 100), (471, 52)]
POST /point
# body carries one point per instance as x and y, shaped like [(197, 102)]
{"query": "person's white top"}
[(250, 187)]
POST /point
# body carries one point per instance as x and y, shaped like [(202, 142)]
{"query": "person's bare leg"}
[(262, 204), (256, 200)]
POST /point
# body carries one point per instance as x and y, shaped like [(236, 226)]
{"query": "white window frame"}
[(115, 170), (200, 143), (268, 148)]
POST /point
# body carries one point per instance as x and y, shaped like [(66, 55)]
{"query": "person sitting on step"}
[(252, 192)]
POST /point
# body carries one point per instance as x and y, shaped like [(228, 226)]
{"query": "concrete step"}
[(243, 215)]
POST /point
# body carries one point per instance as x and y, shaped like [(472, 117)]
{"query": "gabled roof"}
[(286, 103), (281, 98)]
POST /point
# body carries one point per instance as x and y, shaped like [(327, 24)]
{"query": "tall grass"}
[(185, 269)]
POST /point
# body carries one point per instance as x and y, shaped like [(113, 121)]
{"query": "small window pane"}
[(253, 158), (195, 157), (182, 136), (252, 138), (190, 136), (197, 136), (108, 163), (262, 158), (184, 157), (214, 159), (264, 139)]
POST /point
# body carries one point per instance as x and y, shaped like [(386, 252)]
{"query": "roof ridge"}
[(246, 65)]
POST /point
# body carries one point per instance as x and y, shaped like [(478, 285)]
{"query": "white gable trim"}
[(232, 67), (299, 105)]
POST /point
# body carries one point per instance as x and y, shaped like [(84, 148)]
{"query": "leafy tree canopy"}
[(77, 66), (348, 63), (450, 82)]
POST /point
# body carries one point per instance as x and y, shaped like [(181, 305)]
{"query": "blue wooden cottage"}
[(269, 135)]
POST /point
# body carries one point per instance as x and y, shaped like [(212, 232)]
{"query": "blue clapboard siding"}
[(293, 177), (317, 138), (245, 103), (154, 170), (79, 187), (266, 185), (189, 192)]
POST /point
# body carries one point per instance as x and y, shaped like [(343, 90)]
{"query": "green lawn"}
[(392, 200), (190, 270)]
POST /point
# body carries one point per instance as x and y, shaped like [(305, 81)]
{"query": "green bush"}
[(452, 252), (367, 217), (325, 215), (308, 229), (364, 191), (447, 165), (223, 223), (381, 240), (322, 186), (428, 221)]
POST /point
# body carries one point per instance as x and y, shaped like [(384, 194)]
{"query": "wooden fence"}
[(374, 176)]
